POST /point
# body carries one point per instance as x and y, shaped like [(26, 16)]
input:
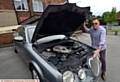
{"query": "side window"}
[(21, 5), (30, 32)]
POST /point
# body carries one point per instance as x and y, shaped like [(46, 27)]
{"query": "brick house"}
[(31, 9), (118, 17), (13, 12), (23, 11)]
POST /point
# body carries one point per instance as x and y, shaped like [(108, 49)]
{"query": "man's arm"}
[(102, 39), (86, 28)]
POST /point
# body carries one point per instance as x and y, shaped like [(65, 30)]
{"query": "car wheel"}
[(35, 74)]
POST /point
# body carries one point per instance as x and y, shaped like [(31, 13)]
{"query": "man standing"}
[(98, 41)]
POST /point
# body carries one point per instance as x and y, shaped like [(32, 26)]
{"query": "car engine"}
[(66, 55)]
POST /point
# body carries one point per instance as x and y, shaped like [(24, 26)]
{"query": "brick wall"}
[(27, 14), (118, 15), (6, 38), (47, 2), (22, 15), (6, 5), (9, 5), (7, 14)]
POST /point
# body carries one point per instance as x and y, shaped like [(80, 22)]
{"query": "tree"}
[(109, 17), (101, 20), (113, 14), (106, 17)]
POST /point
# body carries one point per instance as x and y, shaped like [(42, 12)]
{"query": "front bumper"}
[(88, 79)]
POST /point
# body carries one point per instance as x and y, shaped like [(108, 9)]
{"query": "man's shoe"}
[(103, 76)]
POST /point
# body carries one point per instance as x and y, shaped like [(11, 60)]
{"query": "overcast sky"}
[(98, 6)]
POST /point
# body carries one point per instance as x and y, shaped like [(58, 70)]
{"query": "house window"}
[(37, 6), (21, 5)]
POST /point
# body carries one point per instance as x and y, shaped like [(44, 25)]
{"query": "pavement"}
[(12, 66)]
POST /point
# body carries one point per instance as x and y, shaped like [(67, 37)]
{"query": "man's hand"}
[(96, 53), (84, 25)]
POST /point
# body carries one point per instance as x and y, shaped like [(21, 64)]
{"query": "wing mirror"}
[(18, 39)]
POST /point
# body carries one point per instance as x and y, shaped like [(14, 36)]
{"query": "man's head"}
[(95, 23)]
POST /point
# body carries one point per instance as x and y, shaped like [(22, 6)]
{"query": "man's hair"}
[(95, 19)]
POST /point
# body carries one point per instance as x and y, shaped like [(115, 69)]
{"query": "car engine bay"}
[(66, 54)]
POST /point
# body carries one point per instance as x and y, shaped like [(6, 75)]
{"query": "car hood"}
[(60, 19)]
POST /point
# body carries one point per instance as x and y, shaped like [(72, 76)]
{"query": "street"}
[(13, 67)]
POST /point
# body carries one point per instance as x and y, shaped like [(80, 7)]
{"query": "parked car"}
[(50, 52)]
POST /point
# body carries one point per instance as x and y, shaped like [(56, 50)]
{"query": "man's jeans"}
[(103, 60)]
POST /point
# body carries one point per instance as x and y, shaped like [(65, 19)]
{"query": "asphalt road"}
[(13, 67)]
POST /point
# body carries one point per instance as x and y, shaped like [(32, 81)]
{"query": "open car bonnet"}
[(60, 19)]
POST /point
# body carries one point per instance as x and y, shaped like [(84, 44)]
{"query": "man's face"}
[(96, 24)]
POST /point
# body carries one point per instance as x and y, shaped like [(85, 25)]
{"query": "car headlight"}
[(95, 65), (82, 74), (68, 76)]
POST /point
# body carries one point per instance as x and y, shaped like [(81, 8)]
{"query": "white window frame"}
[(36, 6), (20, 3)]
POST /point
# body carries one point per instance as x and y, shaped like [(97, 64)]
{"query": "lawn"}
[(113, 30)]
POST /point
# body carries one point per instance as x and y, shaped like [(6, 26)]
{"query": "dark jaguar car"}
[(50, 52)]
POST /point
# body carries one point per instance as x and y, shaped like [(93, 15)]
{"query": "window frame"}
[(20, 3), (40, 3)]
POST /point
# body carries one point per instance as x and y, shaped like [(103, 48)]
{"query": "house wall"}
[(7, 10), (6, 5), (118, 15), (23, 15), (47, 2), (7, 18), (7, 13)]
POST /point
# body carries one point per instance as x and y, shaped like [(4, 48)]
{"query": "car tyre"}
[(15, 50), (35, 74)]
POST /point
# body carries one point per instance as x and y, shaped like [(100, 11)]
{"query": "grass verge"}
[(113, 30)]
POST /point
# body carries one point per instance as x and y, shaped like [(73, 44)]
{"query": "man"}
[(98, 40)]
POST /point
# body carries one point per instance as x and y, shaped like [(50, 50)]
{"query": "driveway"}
[(12, 66)]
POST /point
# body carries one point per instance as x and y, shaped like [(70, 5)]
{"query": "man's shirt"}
[(98, 37)]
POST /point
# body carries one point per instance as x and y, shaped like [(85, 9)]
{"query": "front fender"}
[(38, 69)]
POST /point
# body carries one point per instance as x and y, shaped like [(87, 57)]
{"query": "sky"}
[(98, 6)]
